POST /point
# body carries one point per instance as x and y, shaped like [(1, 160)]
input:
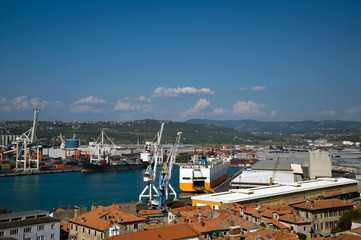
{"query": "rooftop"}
[(174, 231), (241, 195), (324, 204)]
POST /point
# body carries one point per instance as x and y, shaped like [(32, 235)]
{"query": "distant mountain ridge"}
[(280, 126)]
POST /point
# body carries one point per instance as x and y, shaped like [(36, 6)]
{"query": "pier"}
[(48, 171)]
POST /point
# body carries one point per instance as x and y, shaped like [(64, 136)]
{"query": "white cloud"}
[(128, 106), (85, 108), (247, 108), (243, 89), (354, 110), (90, 100), (327, 113), (218, 111), (23, 103), (258, 88), (176, 92), (200, 105)]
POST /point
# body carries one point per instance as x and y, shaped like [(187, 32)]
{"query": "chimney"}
[(69, 207), (312, 203), (94, 206), (54, 210), (62, 207), (76, 211), (119, 218), (82, 220)]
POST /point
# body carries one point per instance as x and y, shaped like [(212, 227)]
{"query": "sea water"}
[(48, 191)]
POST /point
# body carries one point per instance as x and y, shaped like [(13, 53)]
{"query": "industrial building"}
[(268, 172), (319, 164), (284, 193)]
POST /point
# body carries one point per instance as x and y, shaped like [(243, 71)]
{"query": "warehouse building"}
[(342, 188)]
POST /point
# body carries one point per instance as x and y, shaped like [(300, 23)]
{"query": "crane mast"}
[(166, 173), (150, 172), (26, 152)]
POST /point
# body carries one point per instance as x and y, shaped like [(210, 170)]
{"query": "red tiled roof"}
[(150, 212), (271, 234), (95, 219), (356, 230), (276, 223), (291, 218), (344, 237), (324, 204), (206, 226), (170, 232)]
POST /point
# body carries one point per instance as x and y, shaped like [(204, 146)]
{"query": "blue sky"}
[(177, 60)]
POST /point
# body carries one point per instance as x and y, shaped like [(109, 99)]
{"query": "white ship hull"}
[(194, 178)]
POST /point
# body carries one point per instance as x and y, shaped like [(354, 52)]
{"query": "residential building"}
[(29, 225), (103, 222), (182, 231), (324, 214)]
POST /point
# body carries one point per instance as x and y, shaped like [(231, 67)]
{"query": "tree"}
[(345, 220), (4, 209), (301, 236)]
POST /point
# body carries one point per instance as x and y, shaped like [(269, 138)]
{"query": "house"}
[(29, 225), (324, 214), (103, 222), (182, 231)]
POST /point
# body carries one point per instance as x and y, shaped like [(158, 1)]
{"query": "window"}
[(83, 229), (95, 233), (326, 214), (304, 229), (53, 225), (14, 231), (52, 236), (326, 225), (40, 238), (1, 234), (40, 228), (316, 226), (89, 231), (27, 229), (321, 226)]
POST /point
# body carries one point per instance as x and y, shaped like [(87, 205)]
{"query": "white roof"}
[(241, 195)]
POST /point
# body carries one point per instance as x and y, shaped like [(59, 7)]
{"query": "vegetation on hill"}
[(130, 132)]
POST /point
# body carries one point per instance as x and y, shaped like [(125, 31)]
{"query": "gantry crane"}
[(150, 172), (166, 174), (25, 146)]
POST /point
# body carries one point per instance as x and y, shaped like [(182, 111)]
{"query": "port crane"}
[(25, 146), (150, 172), (166, 174)]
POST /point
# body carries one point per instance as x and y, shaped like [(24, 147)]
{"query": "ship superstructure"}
[(203, 174)]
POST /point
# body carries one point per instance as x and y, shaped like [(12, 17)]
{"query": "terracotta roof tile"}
[(324, 204), (97, 219), (291, 218), (276, 223), (344, 237), (206, 226), (356, 230), (271, 234), (150, 212), (174, 231)]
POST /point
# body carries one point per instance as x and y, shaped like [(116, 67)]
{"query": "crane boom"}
[(150, 172), (166, 173)]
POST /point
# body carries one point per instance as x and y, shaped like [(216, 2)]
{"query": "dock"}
[(48, 171)]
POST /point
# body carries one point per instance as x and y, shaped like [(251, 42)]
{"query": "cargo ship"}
[(117, 165), (203, 176), (105, 157)]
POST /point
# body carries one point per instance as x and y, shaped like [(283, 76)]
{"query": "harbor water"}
[(48, 191)]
